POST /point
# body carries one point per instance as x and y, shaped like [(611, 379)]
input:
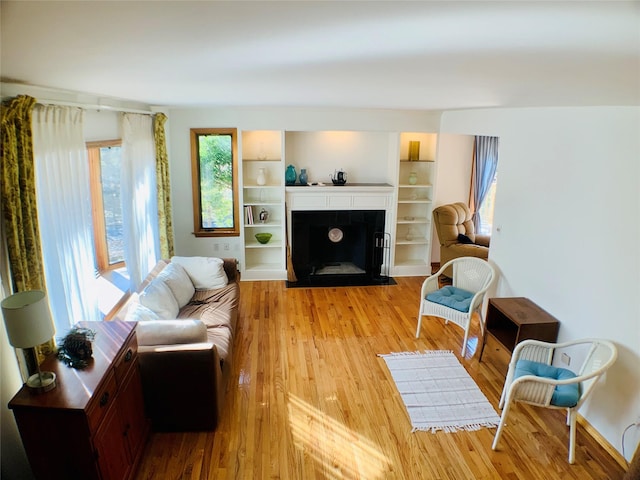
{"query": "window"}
[(486, 209), (214, 175), (105, 165)]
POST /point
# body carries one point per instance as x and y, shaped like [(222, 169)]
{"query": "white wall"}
[(289, 119), (567, 224), (453, 177)]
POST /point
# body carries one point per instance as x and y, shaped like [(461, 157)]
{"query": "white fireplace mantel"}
[(364, 196)]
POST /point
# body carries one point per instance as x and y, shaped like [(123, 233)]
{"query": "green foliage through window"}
[(213, 157)]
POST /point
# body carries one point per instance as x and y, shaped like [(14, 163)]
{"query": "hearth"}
[(339, 247)]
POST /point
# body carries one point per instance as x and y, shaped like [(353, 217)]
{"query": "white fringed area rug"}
[(438, 393)]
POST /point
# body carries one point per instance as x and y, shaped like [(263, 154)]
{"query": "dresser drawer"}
[(101, 401), (126, 359)]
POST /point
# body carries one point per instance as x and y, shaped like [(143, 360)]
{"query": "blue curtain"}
[(485, 163)]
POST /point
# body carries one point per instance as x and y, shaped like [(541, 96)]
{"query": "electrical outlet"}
[(566, 359), (216, 247), (225, 246)]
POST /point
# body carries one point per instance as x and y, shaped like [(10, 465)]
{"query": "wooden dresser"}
[(92, 425)]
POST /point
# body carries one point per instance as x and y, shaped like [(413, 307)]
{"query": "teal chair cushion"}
[(563, 395), (452, 297)]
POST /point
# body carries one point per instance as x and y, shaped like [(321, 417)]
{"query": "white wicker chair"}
[(537, 391), (469, 273)]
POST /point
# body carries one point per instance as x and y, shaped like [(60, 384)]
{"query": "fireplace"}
[(338, 247)]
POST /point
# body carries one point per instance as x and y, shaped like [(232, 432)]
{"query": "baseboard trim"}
[(604, 443)]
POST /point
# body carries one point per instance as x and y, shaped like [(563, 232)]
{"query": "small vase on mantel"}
[(261, 179), (290, 175), (303, 176)]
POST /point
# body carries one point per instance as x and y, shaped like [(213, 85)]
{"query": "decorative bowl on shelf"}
[(263, 237)]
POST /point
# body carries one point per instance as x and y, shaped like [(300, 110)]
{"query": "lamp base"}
[(41, 382)]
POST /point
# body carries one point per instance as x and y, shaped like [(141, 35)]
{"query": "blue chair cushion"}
[(563, 395), (452, 297)]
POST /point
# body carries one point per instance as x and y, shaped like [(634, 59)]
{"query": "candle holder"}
[(414, 151)]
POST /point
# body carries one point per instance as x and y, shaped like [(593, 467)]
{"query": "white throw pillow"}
[(171, 332), (176, 278), (206, 273), (158, 297), (139, 313)]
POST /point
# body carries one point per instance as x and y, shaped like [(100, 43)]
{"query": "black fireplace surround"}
[(338, 247)]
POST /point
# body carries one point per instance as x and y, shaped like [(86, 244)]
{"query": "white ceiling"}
[(363, 54)]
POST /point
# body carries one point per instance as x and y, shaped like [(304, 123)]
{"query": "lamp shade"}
[(27, 318)]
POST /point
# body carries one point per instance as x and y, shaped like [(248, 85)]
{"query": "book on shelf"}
[(248, 214)]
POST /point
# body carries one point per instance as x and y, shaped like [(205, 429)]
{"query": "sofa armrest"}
[(231, 269), (483, 240), (170, 332), (182, 385)]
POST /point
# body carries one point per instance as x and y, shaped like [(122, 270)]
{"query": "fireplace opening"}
[(338, 247)]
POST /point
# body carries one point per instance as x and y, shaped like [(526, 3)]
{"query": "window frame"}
[(198, 229), (97, 204)]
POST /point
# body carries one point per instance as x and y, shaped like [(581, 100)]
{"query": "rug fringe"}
[(455, 428), (417, 352)]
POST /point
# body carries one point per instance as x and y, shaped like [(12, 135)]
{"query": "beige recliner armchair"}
[(457, 235)]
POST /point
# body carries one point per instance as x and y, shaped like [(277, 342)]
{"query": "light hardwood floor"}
[(310, 399)]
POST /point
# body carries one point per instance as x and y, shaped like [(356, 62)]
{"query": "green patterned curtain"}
[(165, 227), (19, 207), (19, 195)]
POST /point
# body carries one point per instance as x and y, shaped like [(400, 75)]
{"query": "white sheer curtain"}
[(64, 215), (139, 202)]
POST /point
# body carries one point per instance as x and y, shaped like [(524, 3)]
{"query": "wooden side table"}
[(92, 426), (511, 320)]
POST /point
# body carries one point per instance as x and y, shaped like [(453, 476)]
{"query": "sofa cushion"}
[(563, 395), (158, 297), (178, 281), (206, 273), (169, 332), (139, 313), (215, 308), (452, 297)]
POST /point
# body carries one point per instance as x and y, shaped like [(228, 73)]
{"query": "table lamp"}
[(29, 324)]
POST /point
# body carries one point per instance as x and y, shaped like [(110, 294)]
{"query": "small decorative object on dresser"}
[(75, 348)]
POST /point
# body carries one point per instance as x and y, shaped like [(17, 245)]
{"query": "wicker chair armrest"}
[(429, 285), (532, 389)]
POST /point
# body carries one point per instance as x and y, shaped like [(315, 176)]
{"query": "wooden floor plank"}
[(310, 399)]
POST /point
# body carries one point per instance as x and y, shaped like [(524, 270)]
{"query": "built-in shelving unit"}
[(370, 159), (263, 191), (412, 252)]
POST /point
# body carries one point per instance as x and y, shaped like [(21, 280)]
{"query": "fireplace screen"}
[(340, 247)]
